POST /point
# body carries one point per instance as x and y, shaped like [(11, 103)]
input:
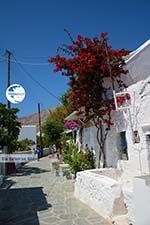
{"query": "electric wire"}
[(34, 57), (26, 62), (30, 63), (20, 63), (37, 82)]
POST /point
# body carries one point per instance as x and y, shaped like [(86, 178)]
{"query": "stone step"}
[(120, 220)]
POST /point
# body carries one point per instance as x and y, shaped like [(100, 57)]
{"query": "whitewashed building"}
[(130, 124), (131, 131)]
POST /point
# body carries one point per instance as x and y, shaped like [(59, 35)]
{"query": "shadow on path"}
[(28, 170), (7, 183), (19, 206)]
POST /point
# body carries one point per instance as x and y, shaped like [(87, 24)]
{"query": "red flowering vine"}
[(123, 99), (94, 69)]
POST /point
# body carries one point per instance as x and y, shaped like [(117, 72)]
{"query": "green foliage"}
[(9, 127), (64, 99), (66, 150), (78, 160), (24, 145), (44, 142), (55, 165), (52, 132), (87, 160), (58, 114), (65, 102), (54, 126)]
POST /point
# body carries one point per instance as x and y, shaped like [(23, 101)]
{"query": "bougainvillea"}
[(94, 69), (71, 124), (123, 99)]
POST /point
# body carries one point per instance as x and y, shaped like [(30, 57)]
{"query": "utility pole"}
[(8, 77), (8, 166), (40, 129)]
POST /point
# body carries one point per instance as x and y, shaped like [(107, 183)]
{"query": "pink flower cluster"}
[(71, 124)]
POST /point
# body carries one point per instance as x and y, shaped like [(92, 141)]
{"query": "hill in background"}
[(33, 119)]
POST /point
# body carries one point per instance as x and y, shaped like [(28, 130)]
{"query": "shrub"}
[(55, 165), (87, 160), (24, 145), (66, 150), (78, 160)]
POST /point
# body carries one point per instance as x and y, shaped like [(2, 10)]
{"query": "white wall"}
[(138, 118), (139, 114), (139, 65), (140, 121), (89, 137), (142, 200), (139, 88), (138, 163)]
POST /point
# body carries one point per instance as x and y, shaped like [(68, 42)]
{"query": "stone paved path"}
[(39, 197)]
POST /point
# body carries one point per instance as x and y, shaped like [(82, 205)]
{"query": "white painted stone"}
[(142, 200), (128, 199), (97, 191), (120, 220), (137, 118)]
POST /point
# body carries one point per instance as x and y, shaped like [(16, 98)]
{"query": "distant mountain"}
[(33, 119)]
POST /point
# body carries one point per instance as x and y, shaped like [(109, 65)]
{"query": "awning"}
[(74, 116), (67, 131)]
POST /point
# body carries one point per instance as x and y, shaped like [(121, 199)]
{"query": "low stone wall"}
[(129, 201), (46, 151), (23, 152), (142, 200), (100, 192)]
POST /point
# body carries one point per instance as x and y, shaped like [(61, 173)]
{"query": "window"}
[(123, 146), (136, 137), (147, 137)]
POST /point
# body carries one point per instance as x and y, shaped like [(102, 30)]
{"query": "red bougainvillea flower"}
[(93, 68), (122, 99), (127, 96)]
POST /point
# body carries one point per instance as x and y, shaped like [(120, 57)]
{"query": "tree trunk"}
[(81, 137), (99, 142), (104, 158), (101, 138), (99, 158)]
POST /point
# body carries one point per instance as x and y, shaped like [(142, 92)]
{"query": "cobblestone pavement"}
[(39, 197)]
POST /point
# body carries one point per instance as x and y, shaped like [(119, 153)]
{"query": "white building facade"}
[(131, 132)]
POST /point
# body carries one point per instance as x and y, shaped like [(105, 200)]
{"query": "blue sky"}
[(32, 31)]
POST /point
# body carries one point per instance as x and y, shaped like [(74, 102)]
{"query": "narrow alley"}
[(38, 197)]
